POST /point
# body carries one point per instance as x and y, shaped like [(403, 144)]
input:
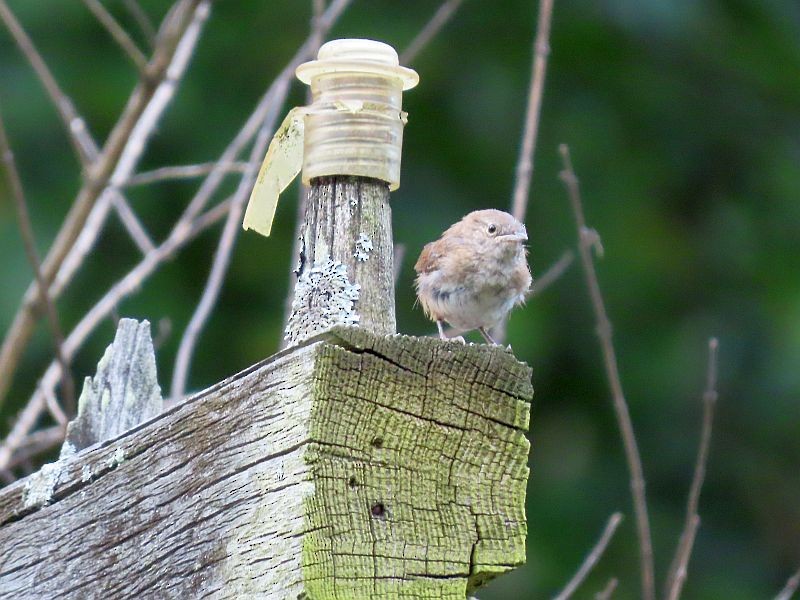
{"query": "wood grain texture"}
[(351, 466), (123, 393), (346, 259)]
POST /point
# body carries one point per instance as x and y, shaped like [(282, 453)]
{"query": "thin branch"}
[(552, 274), (135, 228), (36, 443), (541, 50), (182, 172), (592, 558), (189, 225), (677, 571), (440, 18), (790, 588), (586, 239), (169, 61), (222, 256), (120, 36), (142, 20), (607, 591), (23, 216)]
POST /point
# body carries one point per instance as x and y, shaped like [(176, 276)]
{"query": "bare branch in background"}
[(440, 18), (586, 239), (21, 206), (790, 588), (607, 591), (677, 571), (34, 444), (552, 274), (592, 558), (120, 36), (190, 224), (142, 20), (120, 153), (541, 50), (222, 256), (135, 229), (182, 172)]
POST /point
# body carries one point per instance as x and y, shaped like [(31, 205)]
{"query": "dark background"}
[(684, 123)]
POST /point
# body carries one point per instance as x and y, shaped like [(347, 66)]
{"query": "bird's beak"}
[(514, 237)]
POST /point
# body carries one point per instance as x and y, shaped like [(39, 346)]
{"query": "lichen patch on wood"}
[(347, 223)]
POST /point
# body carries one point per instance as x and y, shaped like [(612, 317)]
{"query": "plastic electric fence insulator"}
[(354, 125)]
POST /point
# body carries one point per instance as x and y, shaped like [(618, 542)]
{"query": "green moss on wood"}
[(419, 459)]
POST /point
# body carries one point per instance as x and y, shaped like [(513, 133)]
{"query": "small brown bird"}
[(475, 273)]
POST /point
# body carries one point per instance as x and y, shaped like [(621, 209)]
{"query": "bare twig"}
[(129, 134), (227, 241), (541, 50), (33, 445), (553, 274), (29, 242), (790, 588), (120, 36), (440, 18), (591, 559), (182, 172), (607, 591), (586, 239), (142, 20), (677, 571)]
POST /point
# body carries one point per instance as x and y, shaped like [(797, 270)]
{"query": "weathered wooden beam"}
[(350, 466)]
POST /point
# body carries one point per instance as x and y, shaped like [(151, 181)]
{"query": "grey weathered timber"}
[(123, 393), (350, 466), (345, 262)]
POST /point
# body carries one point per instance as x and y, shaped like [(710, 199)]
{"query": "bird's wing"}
[(429, 257)]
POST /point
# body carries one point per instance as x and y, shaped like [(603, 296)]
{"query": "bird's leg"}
[(486, 336), (440, 325)]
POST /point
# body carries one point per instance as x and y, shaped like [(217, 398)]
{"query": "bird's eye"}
[(492, 228)]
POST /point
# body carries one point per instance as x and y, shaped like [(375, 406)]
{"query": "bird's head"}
[(493, 227)]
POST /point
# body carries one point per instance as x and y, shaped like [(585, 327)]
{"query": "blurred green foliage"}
[(684, 123)]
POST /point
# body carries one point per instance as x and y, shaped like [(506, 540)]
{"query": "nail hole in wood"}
[(377, 442), (378, 510), (352, 482)]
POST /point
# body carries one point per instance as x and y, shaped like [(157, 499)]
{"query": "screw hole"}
[(377, 442), (352, 482), (378, 510)]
